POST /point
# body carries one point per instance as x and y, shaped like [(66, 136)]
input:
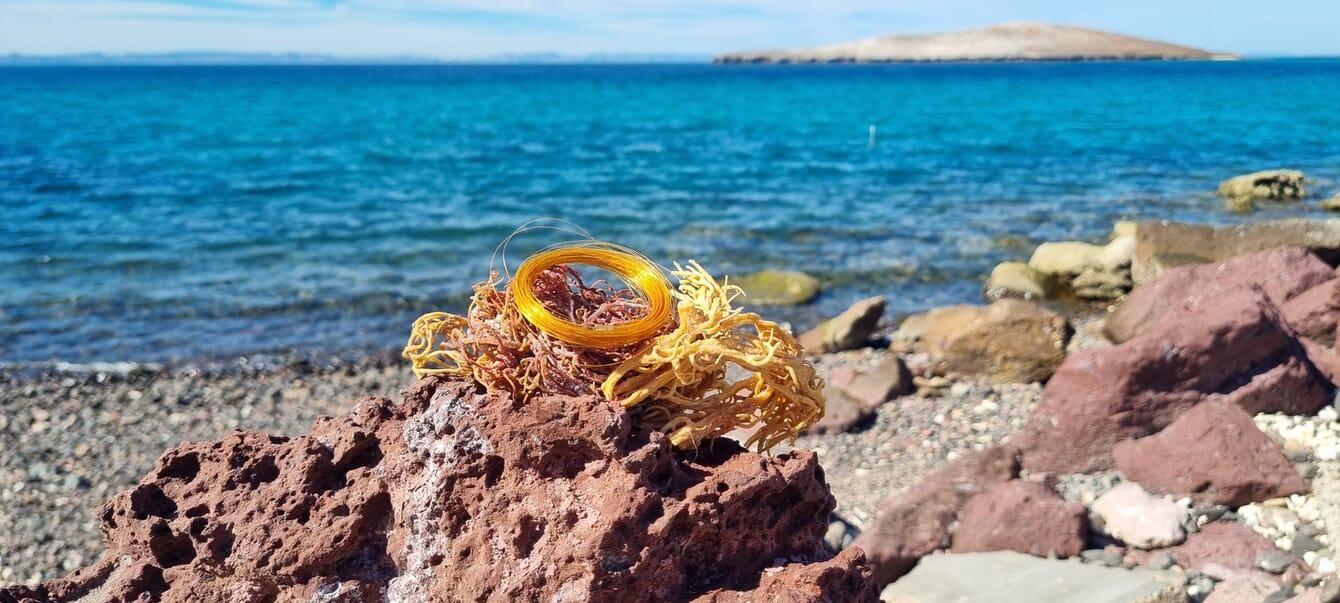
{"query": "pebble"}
[(1160, 561), (1274, 561)]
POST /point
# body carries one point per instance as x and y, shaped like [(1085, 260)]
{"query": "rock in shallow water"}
[(455, 495)]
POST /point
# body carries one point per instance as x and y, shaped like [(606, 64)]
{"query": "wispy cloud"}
[(465, 28)]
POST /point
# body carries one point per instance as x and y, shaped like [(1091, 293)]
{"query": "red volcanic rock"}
[(1282, 273), (1226, 342), (1326, 361), (915, 523), (455, 495), (1313, 313), (1021, 516), (1231, 545), (1214, 453)]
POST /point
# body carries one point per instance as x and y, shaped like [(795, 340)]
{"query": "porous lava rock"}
[(457, 495), (917, 522), (1213, 453), (1216, 342), (1024, 517)]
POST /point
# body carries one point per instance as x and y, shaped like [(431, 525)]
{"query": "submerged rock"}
[(456, 494), (776, 287), (1242, 192)]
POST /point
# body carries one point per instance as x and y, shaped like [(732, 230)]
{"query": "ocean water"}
[(187, 213)]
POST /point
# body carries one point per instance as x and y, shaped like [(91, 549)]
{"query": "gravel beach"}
[(70, 440)]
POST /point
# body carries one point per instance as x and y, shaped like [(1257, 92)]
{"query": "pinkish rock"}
[(854, 396), (1214, 453), (1219, 342), (1140, 519), (1232, 546), (1245, 587), (1313, 313), (454, 491), (915, 523), (1021, 516), (1282, 273), (1326, 360), (880, 384)]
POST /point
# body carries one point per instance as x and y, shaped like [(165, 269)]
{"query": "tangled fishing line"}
[(665, 351)]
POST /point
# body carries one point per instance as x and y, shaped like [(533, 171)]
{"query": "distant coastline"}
[(283, 59)]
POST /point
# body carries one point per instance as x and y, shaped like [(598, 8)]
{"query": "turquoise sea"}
[(197, 213)]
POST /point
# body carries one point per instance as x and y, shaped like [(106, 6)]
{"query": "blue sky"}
[(481, 28)]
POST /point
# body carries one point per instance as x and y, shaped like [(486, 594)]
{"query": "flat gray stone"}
[(1008, 577)]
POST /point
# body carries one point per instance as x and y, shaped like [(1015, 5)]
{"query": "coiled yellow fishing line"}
[(641, 275), (694, 366)]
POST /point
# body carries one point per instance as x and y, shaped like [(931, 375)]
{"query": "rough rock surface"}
[(1021, 516), (1243, 191), (1244, 587), (917, 522), (1161, 245), (1313, 313), (1232, 342), (1009, 341), (848, 330), (1016, 279), (1220, 546), (1008, 577), (452, 492), (1213, 453), (1085, 270), (1144, 521), (1282, 273)]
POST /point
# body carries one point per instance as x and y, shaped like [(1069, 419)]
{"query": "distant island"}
[(1014, 41)]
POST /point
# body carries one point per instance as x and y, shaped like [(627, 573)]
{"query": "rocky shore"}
[(1147, 418)]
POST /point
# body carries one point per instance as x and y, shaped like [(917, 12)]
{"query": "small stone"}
[(1160, 561), (1330, 591), (1302, 543), (1093, 556), (1307, 470), (1139, 518), (836, 535), (1274, 561), (1280, 596)]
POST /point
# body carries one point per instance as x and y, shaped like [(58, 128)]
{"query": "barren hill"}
[(1015, 41)]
